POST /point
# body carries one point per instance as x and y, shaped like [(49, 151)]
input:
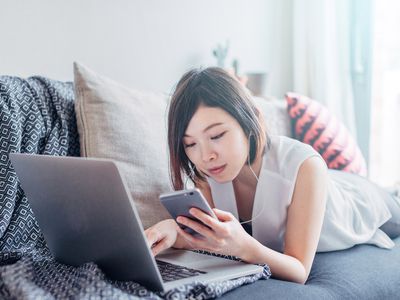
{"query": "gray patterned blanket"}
[(37, 116)]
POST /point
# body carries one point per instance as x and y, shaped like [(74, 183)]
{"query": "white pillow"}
[(128, 126), (277, 120)]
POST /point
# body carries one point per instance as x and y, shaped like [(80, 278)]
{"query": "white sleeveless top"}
[(351, 217)]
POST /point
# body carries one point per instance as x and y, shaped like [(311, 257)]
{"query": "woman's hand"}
[(162, 235), (225, 235)]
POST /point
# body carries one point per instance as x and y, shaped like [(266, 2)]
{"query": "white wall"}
[(146, 44)]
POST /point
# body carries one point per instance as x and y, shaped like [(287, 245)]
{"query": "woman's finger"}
[(223, 215), (195, 242), (152, 237), (210, 221), (160, 246), (196, 226), (198, 243)]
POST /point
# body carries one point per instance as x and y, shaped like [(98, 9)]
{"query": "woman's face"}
[(216, 144)]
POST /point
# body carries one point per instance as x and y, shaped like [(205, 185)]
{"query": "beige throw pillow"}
[(128, 126)]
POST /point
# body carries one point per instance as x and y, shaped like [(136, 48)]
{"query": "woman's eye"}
[(216, 137), (189, 145)]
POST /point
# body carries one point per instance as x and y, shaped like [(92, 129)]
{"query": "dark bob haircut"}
[(212, 87)]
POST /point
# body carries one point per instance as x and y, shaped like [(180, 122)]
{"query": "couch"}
[(38, 116)]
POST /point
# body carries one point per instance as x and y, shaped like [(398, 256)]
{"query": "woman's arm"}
[(303, 228), (304, 223)]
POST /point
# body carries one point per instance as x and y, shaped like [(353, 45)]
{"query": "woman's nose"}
[(208, 154)]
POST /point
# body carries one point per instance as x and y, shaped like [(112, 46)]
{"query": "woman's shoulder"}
[(287, 144), (284, 148)]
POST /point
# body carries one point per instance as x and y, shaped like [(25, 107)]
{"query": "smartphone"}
[(178, 203)]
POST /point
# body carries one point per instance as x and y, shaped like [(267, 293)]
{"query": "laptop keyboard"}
[(171, 272)]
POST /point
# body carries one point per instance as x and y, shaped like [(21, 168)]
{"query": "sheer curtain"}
[(346, 54), (321, 55), (385, 135)]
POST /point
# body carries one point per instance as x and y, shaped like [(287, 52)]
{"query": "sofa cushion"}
[(313, 124), (36, 116), (362, 272), (128, 126)]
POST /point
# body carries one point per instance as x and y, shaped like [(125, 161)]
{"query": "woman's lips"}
[(217, 170)]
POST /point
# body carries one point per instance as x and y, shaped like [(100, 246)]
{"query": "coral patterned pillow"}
[(313, 124)]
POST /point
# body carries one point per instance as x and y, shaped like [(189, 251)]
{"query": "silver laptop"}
[(86, 214)]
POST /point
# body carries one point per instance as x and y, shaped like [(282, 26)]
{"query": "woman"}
[(289, 204)]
